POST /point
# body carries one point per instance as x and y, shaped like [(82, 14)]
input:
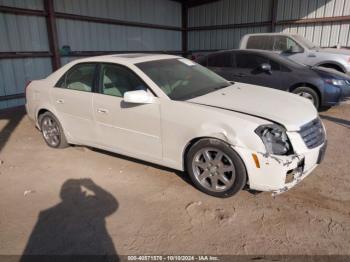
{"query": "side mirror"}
[(138, 97), (265, 67)]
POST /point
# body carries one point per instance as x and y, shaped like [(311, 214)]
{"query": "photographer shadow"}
[(76, 226)]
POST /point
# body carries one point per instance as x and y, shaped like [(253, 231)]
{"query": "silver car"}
[(300, 50)]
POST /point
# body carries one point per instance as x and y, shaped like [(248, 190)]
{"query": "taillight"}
[(25, 89)]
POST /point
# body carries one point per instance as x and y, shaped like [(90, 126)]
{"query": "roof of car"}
[(255, 51), (269, 54), (131, 58)]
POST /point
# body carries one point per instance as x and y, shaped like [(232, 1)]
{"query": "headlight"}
[(336, 82), (274, 138)]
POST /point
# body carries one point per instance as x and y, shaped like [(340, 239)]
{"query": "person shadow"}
[(75, 227)]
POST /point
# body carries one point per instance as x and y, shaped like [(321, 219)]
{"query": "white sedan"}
[(173, 112)]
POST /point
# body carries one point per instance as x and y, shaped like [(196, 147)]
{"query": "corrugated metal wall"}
[(226, 12), (15, 73), (21, 33), (220, 38), (222, 13), (230, 12), (89, 36), (326, 34), (145, 11), (24, 33), (30, 4)]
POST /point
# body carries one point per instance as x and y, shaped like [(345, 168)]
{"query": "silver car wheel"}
[(307, 96), (50, 130), (213, 169)]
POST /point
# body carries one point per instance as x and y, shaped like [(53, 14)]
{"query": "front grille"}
[(313, 133)]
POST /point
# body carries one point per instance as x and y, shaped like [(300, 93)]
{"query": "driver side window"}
[(284, 43), (116, 80), (292, 45)]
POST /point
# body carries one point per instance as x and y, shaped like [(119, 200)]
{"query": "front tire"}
[(309, 94), (52, 131), (215, 168)]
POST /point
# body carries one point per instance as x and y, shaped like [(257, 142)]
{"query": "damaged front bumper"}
[(278, 174), (297, 175)]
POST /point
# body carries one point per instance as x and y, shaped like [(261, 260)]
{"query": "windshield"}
[(182, 79), (285, 60), (305, 42)]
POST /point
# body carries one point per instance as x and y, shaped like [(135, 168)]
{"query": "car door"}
[(131, 129), (248, 70), (72, 99)]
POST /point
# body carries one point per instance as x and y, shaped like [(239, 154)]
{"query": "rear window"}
[(220, 60), (260, 42), (252, 61)]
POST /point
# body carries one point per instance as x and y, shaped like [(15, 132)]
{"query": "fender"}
[(51, 109), (331, 62)]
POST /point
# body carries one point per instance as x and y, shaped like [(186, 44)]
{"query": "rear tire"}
[(52, 131), (308, 93), (215, 168)]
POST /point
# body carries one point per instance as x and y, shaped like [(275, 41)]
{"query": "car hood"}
[(340, 51), (277, 106), (330, 72)]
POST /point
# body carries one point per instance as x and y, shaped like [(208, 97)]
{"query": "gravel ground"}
[(79, 200)]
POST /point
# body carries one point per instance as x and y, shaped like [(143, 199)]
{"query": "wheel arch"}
[(333, 65), (43, 109), (305, 84), (196, 139)]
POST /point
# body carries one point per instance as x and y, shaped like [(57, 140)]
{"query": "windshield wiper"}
[(221, 87)]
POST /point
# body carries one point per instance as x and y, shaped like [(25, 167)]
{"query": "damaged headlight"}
[(275, 139)]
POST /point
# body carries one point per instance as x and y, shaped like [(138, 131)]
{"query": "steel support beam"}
[(21, 11), (228, 26), (274, 9), (315, 20), (11, 97), (114, 21), (184, 36), (192, 3), (7, 55), (52, 34)]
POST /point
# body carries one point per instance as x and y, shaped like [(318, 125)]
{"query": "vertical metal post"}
[(274, 15), (52, 34), (184, 15)]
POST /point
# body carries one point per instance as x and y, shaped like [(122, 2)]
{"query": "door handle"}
[(60, 101), (102, 111)]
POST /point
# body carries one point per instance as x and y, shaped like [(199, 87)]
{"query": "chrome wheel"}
[(213, 169), (307, 96), (51, 131)]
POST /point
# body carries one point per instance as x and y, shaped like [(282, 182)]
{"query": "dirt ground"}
[(131, 207)]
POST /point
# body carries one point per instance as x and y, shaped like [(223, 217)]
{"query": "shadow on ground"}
[(183, 175), (76, 226), (14, 117), (339, 121)]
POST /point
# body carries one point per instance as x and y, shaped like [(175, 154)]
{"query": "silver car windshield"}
[(182, 79), (305, 42)]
